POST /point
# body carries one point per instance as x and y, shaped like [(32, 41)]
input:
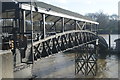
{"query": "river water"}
[(62, 65)]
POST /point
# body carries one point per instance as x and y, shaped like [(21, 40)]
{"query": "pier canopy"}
[(39, 7)]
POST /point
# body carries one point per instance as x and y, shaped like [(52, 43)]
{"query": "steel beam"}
[(35, 15), (75, 25), (86, 62), (31, 18), (83, 25), (43, 25), (67, 21), (27, 14), (27, 7), (72, 23), (45, 17), (96, 29), (23, 22), (91, 27), (55, 23), (79, 26), (63, 24)]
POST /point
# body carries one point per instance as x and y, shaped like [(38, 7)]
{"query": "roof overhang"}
[(58, 14)]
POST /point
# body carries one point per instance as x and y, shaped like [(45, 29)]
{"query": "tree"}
[(114, 17), (107, 23)]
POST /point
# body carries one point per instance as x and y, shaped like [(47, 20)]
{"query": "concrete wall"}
[(6, 64), (7, 68)]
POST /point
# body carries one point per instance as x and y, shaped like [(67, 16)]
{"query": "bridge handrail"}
[(59, 34)]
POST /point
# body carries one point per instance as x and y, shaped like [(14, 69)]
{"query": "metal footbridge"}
[(34, 30)]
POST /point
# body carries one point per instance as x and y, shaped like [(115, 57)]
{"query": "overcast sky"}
[(87, 6)]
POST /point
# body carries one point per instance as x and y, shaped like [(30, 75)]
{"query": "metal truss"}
[(57, 43), (86, 60)]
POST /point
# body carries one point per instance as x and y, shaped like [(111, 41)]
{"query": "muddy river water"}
[(62, 65)]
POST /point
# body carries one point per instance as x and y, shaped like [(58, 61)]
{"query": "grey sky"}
[(87, 6)]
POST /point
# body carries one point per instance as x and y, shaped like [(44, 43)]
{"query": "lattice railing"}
[(57, 43)]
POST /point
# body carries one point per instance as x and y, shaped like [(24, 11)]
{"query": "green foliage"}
[(107, 23)]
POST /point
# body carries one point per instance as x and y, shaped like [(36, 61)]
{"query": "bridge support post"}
[(86, 60), (63, 25), (23, 21), (91, 26), (75, 25), (44, 30)]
